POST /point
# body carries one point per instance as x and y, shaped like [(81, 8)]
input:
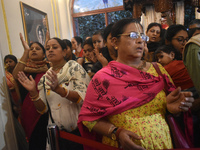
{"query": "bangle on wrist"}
[(22, 62), (111, 129), (78, 101), (118, 132), (35, 99), (113, 134), (67, 92)]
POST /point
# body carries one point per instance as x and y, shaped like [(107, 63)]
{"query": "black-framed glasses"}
[(181, 40), (136, 35)]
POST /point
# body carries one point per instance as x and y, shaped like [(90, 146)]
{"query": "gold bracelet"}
[(67, 92), (111, 129), (33, 97), (43, 111), (22, 62), (79, 100)]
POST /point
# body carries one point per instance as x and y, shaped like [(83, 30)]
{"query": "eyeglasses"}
[(135, 35), (181, 40)]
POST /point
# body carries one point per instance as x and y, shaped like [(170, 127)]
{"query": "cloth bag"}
[(63, 143), (180, 139)]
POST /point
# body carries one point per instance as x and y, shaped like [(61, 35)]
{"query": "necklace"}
[(58, 67), (143, 65)]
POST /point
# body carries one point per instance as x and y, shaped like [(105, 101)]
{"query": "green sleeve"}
[(192, 63)]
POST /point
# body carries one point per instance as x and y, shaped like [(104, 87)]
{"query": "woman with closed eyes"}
[(125, 103)]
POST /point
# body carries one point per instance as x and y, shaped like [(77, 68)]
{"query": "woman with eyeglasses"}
[(177, 36), (125, 103)]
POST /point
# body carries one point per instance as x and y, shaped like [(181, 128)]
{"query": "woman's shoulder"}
[(71, 64), (102, 73), (153, 70)]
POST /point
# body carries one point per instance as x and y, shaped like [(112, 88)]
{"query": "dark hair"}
[(195, 21), (173, 30), (162, 35), (10, 57), (192, 30), (43, 49), (89, 42), (107, 31), (119, 27), (79, 40), (168, 49), (61, 42), (68, 43), (99, 32), (154, 24)]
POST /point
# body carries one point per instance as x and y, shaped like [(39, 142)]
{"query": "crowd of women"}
[(107, 88)]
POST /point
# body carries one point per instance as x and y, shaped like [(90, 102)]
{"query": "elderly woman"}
[(65, 85), (128, 104)]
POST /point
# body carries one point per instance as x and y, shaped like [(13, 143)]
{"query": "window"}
[(86, 25), (93, 15), (118, 15), (189, 15), (85, 5)]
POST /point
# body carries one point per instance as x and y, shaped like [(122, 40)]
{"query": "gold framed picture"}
[(35, 24)]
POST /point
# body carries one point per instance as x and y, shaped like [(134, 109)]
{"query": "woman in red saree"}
[(125, 103), (33, 63)]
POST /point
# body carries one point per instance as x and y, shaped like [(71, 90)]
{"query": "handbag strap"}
[(52, 120), (160, 73)]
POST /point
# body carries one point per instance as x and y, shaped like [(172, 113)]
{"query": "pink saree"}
[(115, 89)]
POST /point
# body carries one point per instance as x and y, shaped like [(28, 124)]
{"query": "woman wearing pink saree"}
[(125, 103)]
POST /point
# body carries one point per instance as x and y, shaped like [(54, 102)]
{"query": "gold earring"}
[(116, 47)]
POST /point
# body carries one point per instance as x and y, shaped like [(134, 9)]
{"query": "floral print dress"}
[(147, 121)]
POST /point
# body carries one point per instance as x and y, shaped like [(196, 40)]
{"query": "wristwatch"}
[(113, 134)]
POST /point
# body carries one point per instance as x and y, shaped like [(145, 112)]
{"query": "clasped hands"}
[(30, 85)]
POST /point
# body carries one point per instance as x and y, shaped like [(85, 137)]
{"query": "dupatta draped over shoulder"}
[(29, 114), (117, 88)]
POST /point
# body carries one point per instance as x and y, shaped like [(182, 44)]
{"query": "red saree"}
[(29, 114)]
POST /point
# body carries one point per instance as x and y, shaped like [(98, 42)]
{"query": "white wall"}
[(60, 25)]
